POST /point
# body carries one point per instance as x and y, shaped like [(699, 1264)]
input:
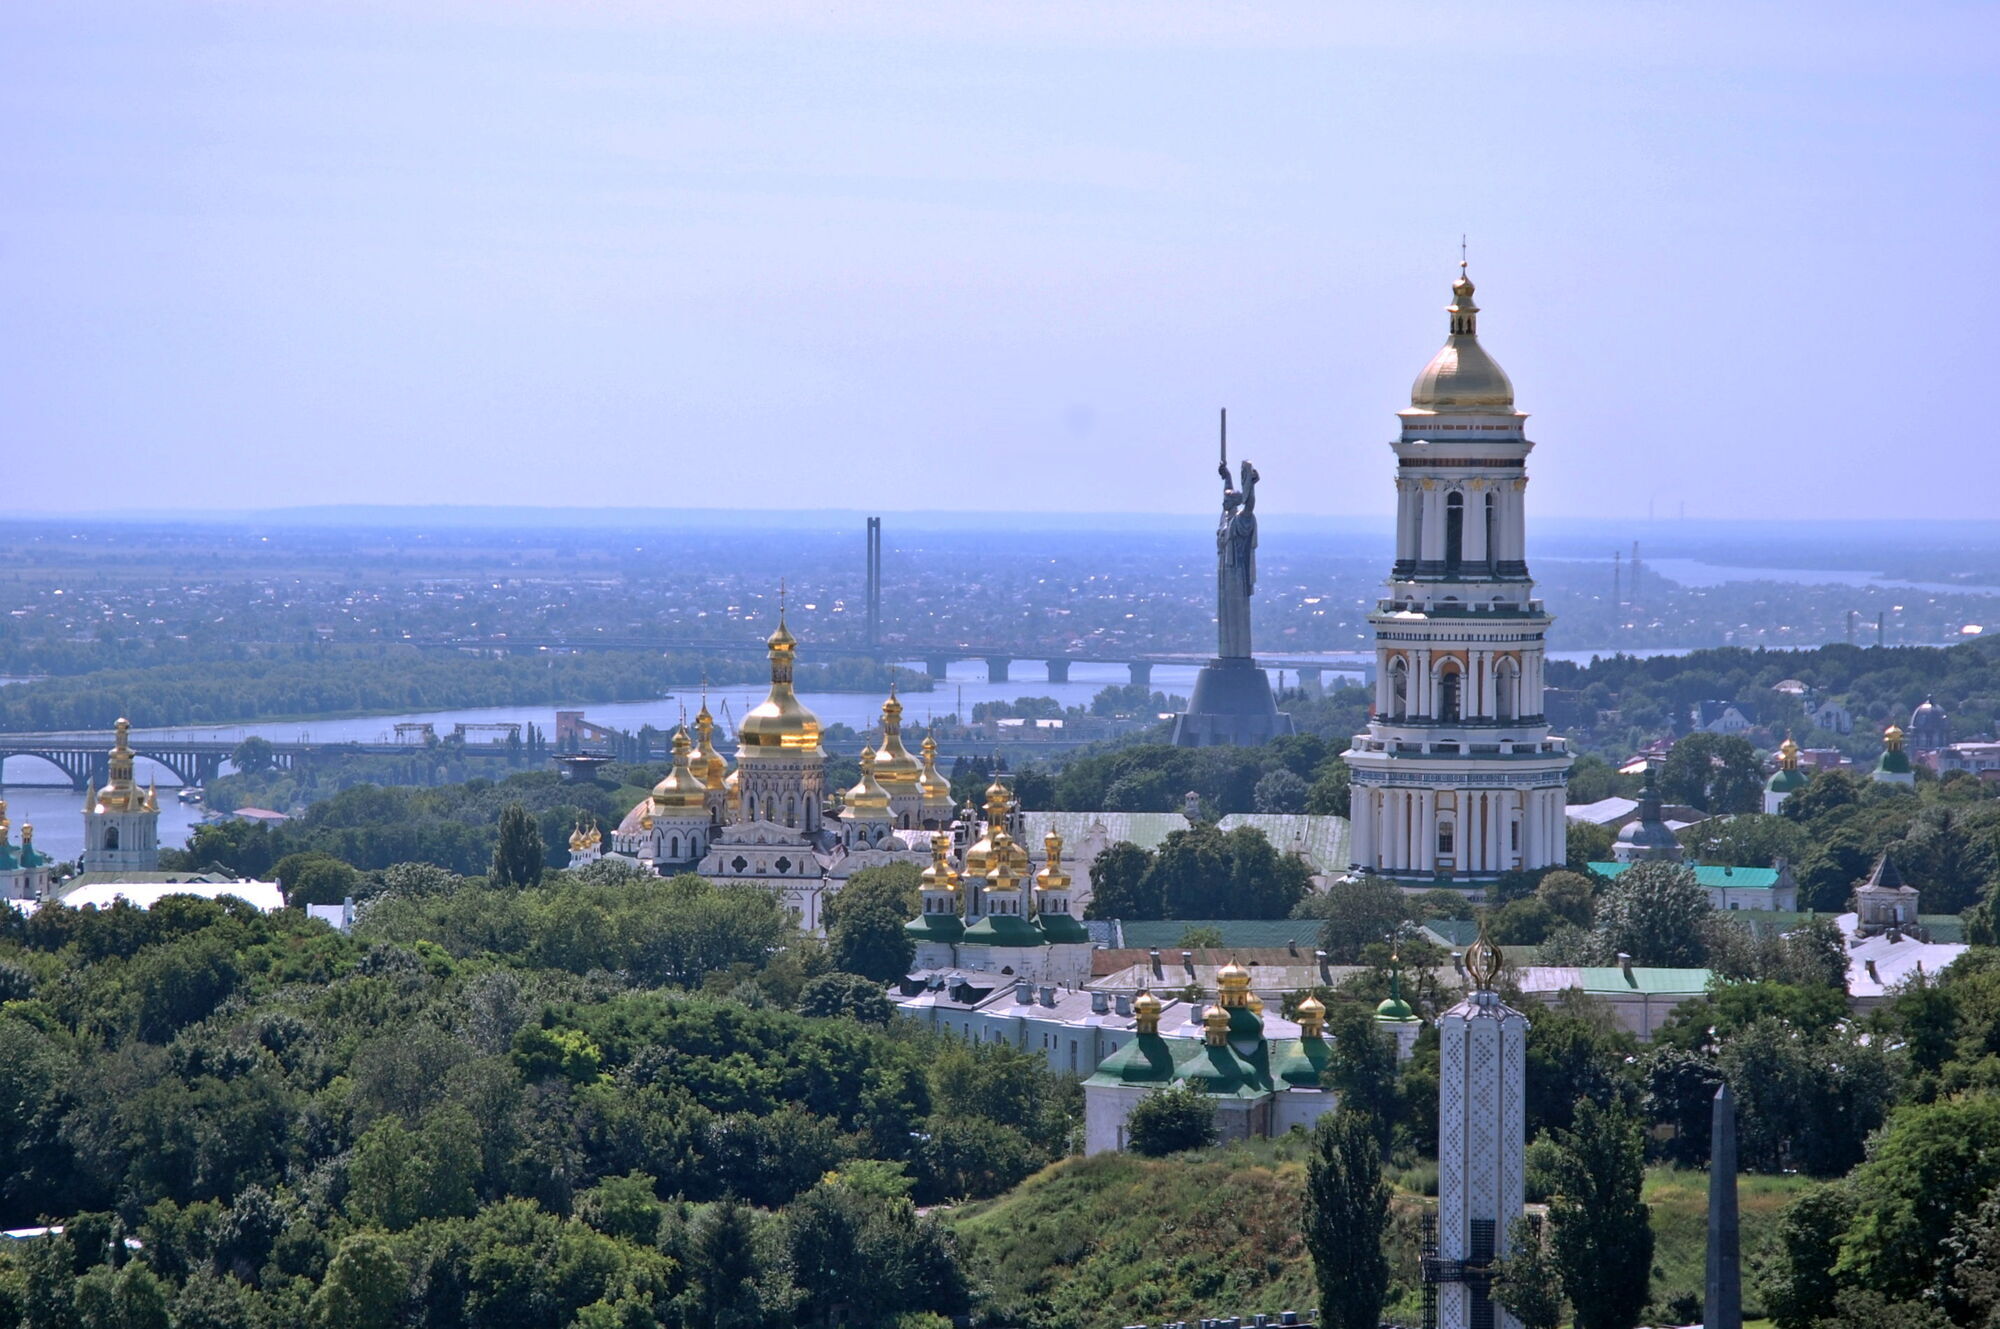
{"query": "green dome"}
[(1394, 1008), (1784, 781)]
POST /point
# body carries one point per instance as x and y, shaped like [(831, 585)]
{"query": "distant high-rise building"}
[(1457, 776)]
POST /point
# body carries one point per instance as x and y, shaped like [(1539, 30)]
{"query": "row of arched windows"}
[(1448, 687)]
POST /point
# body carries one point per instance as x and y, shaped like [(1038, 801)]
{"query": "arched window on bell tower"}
[(1399, 688), (111, 837), (1448, 693), (1454, 531), (1492, 534), (1506, 691)]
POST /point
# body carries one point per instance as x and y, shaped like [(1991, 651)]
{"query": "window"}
[(1444, 837), (1506, 688), (1399, 688), (1448, 695), (1454, 531), (1514, 835), (110, 837), (1492, 530)]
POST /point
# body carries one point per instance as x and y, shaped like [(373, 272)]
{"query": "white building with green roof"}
[(1732, 887)]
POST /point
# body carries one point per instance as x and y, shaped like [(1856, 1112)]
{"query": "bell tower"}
[(1457, 777)]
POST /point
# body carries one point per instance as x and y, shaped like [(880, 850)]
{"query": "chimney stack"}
[(1124, 1003), (1625, 967), (1024, 992), (1157, 971), (1099, 1004)]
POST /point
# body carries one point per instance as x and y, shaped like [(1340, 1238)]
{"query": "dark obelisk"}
[(1722, 1299), (1232, 697)]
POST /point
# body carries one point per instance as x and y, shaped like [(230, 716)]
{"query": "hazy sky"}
[(997, 256)]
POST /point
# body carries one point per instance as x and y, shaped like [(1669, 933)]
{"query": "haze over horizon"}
[(988, 259)]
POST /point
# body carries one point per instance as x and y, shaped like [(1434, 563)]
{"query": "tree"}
[(1576, 1051), (1600, 1232), (253, 756), (1570, 896), (1122, 885), (1330, 795), (845, 995), (870, 940), (1281, 791), (316, 878), (1345, 1219), (1191, 873), (363, 1289), (1930, 1168), (1358, 913), (1361, 1067), (1263, 883), (519, 856), (1797, 1283), (1168, 1121), (1713, 772), (1529, 1286), (1656, 913)]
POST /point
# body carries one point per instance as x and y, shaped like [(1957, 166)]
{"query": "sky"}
[(989, 257)]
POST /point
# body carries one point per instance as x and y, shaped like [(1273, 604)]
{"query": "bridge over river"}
[(85, 758), (937, 659)]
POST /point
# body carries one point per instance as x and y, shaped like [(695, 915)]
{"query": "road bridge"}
[(85, 758), (937, 660)]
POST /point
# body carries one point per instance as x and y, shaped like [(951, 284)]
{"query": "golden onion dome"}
[(120, 792), (1892, 738), (1462, 376), (934, 787), (1311, 1015), (1232, 983), (576, 840), (781, 722), (708, 763), (1788, 754), (1146, 1011), (868, 799), (979, 856), (895, 767), (1215, 1026), (1052, 877), (682, 791), (1002, 876), (940, 876)]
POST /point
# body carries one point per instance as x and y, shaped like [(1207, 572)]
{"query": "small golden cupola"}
[(1462, 377), (1232, 983), (1052, 877), (1312, 1017), (1892, 738), (979, 855), (1215, 1026), (940, 875), (781, 722), (709, 764), (1145, 1013), (120, 793), (896, 768), (934, 787), (1002, 877), (577, 839), (867, 800), (682, 791)]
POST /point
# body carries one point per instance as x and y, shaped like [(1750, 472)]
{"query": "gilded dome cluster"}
[(1462, 376)]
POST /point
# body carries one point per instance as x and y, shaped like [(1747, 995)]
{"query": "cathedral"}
[(767, 821), (1457, 777)]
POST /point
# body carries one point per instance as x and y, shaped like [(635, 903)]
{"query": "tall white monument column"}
[(1482, 1139)]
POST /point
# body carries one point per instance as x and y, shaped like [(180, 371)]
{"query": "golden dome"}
[(1462, 376), (1052, 877), (1146, 1011), (1003, 876), (979, 856), (1215, 1026), (1311, 1015), (682, 791), (1232, 983), (781, 722), (5, 825), (120, 793), (1788, 754), (940, 876), (1256, 1005), (894, 766), (708, 763), (577, 839), (934, 787), (1892, 738), (868, 799)]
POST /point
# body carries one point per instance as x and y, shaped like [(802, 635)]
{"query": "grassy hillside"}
[(1095, 1243)]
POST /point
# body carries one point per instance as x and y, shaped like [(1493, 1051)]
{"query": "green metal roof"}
[(1004, 930), (1714, 878), (936, 927), (1299, 1061), (1611, 980), (1147, 1059), (1059, 929)]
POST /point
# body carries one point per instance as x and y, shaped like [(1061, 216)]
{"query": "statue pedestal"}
[(1231, 706)]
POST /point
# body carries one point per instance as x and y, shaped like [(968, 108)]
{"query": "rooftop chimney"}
[(1157, 971), (1024, 992), (1625, 967), (1048, 994), (1187, 962), (1325, 974), (1124, 1003), (1099, 1003), (1873, 977)]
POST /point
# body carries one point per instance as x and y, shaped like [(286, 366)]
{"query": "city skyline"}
[(777, 261)]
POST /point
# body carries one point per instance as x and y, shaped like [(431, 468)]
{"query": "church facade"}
[(1457, 777), (121, 822)]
